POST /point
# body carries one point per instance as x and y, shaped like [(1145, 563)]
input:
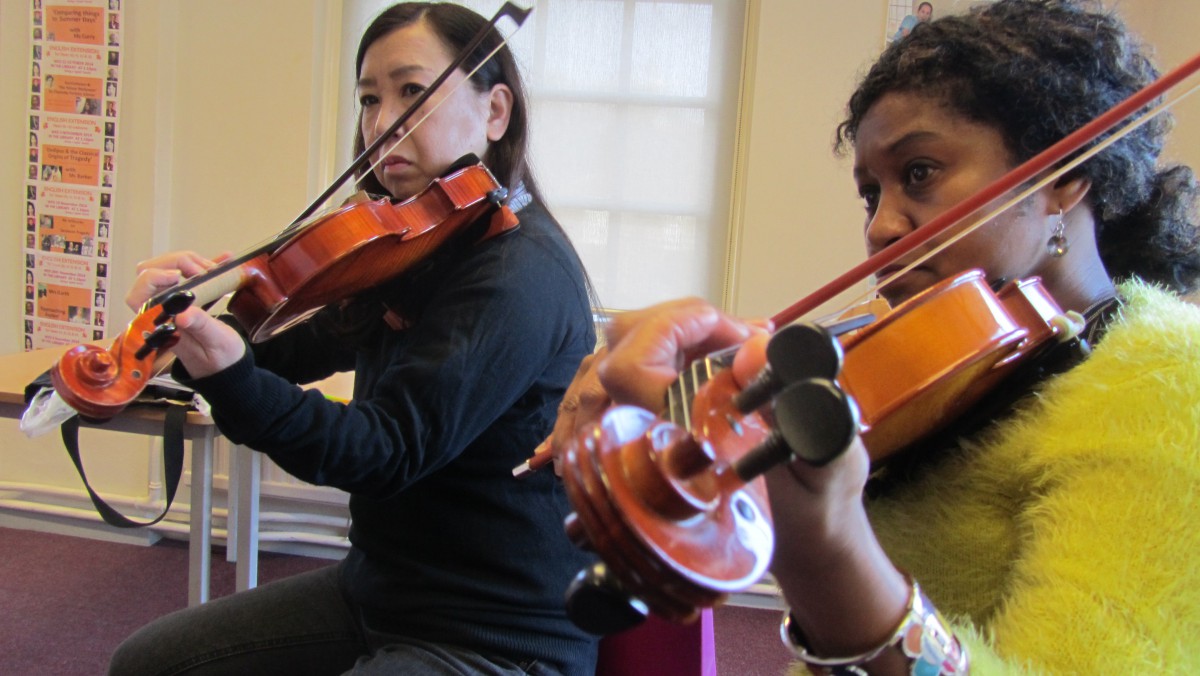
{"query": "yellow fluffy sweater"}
[(1066, 539)]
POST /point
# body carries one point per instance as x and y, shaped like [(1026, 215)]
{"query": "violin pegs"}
[(795, 353), (161, 336), (815, 421), (598, 604), (174, 304)]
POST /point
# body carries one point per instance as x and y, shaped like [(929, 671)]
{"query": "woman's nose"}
[(888, 224)]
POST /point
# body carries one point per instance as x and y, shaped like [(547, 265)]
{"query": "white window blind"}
[(634, 107)]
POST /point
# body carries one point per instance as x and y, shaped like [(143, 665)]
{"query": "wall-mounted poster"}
[(74, 115)]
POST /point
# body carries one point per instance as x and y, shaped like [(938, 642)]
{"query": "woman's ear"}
[(1068, 192), (500, 102)]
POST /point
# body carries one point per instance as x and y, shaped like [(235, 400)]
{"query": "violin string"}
[(1019, 197)]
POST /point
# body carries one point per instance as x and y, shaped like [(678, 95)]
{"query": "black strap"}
[(172, 464)]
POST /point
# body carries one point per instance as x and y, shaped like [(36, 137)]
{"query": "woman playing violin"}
[(1059, 536), (459, 367)]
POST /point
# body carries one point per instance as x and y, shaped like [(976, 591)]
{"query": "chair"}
[(657, 647)]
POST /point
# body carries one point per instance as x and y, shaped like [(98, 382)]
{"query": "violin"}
[(330, 258), (674, 504), (317, 260)]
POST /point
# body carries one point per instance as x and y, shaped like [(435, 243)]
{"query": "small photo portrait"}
[(30, 209), (102, 249), (110, 129), (114, 21), (113, 39), (28, 292), (110, 89), (47, 221), (37, 33), (33, 139), (30, 241), (112, 74), (33, 174), (35, 102), (101, 269), (29, 276), (103, 216), (109, 145), (33, 154), (108, 162), (99, 319), (101, 284), (34, 121), (49, 82), (102, 230), (37, 52), (31, 224), (31, 192), (87, 106), (37, 69), (28, 326), (114, 5), (114, 58), (29, 308), (36, 86), (29, 261), (99, 301), (37, 17), (97, 334), (28, 342), (110, 108), (107, 180), (106, 199)]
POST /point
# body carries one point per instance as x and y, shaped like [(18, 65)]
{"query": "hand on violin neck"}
[(206, 344), (165, 271), (648, 348)]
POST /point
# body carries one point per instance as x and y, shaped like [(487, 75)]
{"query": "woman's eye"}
[(870, 198), (916, 174), (368, 100), (411, 90)]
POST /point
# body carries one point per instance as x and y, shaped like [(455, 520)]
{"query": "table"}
[(18, 370)]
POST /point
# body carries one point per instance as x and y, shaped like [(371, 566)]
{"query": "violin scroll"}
[(100, 383)]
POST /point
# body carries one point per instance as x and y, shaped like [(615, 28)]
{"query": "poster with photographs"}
[(74, 115)]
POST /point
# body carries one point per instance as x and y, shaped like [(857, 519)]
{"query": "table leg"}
[(200, 540), (249, 471)]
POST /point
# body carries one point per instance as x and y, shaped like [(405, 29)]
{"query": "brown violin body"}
[(329, 258), (354, 248)]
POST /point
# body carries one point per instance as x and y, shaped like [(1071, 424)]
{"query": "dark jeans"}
[(299, 625)]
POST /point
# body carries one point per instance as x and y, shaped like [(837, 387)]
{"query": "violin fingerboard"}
[(694, 376)]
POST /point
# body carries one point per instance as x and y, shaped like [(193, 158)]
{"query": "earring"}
[(1058, 245)]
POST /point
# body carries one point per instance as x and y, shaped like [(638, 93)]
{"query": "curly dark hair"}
[(1037, 70), (456, 25)]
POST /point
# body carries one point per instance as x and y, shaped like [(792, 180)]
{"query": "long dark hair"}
[(1037, 70), (456, 25)]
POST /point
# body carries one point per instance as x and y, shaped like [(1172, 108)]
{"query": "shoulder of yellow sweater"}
[(1135, 397)]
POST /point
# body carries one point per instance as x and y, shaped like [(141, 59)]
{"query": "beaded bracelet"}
[(922, 636)]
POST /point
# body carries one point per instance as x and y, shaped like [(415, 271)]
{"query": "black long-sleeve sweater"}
[(446, 545)]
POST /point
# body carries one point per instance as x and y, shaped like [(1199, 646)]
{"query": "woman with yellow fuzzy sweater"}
[(1059, 534)]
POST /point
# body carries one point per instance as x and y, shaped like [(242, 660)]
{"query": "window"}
[(633, 110)]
